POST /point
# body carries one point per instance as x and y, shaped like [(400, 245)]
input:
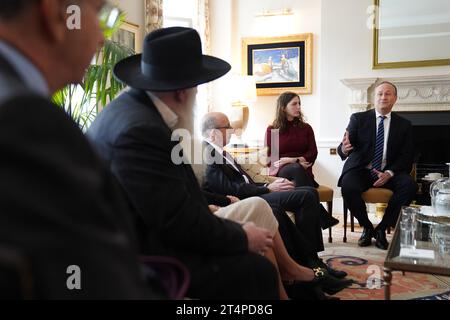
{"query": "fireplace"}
[(431, 135)]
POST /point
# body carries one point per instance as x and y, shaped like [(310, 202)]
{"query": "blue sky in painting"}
[(262, 55)]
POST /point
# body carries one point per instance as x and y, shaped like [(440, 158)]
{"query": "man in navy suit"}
[(378, 146)]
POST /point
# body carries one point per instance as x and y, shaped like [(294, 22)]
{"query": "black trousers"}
[(355, 182), (304, 203), (235, 277), (296, 173)]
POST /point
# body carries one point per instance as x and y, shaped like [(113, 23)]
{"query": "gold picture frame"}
[(279, 64), (130, 36), (397, 43)]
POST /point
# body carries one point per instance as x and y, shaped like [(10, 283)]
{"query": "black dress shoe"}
[(329, 222), (326, 219), (380, 240), (366, 237)]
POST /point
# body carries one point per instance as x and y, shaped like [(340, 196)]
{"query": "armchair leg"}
[(330, 211), (345, 223), (352, 222)]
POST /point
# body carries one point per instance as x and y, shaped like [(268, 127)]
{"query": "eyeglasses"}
[(108, 17), (228, 127)]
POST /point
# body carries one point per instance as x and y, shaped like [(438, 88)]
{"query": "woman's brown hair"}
[(280, 121)]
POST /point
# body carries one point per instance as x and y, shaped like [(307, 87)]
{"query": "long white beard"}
[(186, 120)]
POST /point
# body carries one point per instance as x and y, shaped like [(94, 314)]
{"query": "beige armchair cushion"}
[(377, 195)]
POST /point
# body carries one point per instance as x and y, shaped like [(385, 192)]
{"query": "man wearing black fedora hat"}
[(134, 136)]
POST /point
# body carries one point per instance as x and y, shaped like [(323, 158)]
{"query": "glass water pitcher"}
[(440, 195)]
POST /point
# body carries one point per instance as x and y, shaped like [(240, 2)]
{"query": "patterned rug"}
[(365, 266)]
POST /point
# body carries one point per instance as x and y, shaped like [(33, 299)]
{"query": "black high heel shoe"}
[(319, 276), (329, 284), (306, 290)]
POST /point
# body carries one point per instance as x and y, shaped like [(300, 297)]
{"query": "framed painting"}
[(411, 33), (129, 35), (279, 63)]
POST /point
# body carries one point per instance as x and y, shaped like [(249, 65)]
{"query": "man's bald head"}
[(212, 120), (216, 127)]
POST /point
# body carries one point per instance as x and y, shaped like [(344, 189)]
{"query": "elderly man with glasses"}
[(64, 230)]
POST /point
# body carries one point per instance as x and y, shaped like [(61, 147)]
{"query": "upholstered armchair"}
[(254, 164)]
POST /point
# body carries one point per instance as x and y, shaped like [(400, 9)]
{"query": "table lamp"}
[(243, 92)]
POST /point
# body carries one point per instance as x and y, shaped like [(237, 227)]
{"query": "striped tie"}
[(379, 147)]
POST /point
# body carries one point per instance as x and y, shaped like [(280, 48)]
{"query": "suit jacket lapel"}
[(227, 168), (391, 136), (7, 69), (213, 154), (142, 97), (372, 124)]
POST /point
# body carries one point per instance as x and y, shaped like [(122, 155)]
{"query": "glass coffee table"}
[(440, 265)]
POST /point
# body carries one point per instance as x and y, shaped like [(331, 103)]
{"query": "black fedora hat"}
[(172, 59)]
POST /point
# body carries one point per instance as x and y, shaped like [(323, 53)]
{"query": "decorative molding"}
[(153, 15), (328, 143), (423, 93), (359, 93)]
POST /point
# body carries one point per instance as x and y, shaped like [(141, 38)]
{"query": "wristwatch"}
[(298, 160)]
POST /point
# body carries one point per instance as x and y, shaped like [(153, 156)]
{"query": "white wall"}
[(342, 49), (135, 12), (346, 46), (231, 20)]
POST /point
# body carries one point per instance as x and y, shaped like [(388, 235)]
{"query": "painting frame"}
[(279, 64), (378, 62), (129, 33)]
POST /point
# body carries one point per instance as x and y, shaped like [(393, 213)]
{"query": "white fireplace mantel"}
[(425, 93)]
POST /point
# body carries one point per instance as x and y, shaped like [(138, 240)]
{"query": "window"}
[(179, 13), (185, 13)]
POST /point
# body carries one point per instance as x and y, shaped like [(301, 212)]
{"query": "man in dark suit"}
[(62, 216), (136, 134), (225, 176), (378, 146)]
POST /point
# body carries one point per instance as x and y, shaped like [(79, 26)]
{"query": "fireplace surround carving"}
[(424, 93)]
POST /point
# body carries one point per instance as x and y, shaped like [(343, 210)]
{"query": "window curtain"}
[(200, 22), (203, 24), (153, 15), (204, 96)]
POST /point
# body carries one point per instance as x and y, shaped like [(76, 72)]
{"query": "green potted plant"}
[(84, 101)]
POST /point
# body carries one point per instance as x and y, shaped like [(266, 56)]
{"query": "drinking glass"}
[(407, 235)]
